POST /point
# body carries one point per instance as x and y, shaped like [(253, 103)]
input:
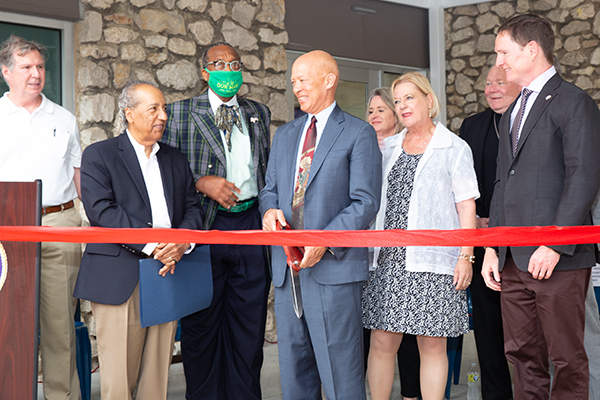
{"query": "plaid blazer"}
[(191, 129)]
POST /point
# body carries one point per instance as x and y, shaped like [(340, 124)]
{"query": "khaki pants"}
[(130, 355), (59, 268)]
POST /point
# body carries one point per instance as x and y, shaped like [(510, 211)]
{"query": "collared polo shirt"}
[(42, 145)]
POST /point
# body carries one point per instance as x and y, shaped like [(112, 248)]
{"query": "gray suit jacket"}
[(555, 174), (342, 193)]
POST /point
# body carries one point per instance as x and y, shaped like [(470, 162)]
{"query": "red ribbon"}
[(502, 236)]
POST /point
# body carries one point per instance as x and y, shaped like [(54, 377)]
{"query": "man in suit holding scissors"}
[(226, 140), (548, 174), (333, 183)]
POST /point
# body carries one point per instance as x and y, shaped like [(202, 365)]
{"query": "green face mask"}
[(225, 83)]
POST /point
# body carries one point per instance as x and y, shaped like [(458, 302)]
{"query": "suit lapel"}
[(504, 132), (130, 160), (166, 173), (204, 119), (542, 101), (330, 134)]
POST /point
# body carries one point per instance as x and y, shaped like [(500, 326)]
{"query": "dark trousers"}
[(545, 319), (489, 338), (409, 363), (222, 346)]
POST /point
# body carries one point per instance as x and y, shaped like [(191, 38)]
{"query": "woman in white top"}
[(429, 183), (381, 114)]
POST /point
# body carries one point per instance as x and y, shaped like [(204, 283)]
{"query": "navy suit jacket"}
[(343, 190), (555, 175), (115, 196)]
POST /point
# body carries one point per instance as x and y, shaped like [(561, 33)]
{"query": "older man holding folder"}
[(131, 181)]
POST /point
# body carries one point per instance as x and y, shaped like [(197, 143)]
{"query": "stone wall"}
[(470, 34), (162, 41)]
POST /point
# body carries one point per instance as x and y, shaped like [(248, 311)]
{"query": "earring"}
[(429, 113)]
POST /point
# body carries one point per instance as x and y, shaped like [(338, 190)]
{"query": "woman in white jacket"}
[(429, 183)]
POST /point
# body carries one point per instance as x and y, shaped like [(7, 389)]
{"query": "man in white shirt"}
[(40, 140), (131, 181)]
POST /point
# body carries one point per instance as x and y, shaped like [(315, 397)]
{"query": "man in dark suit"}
[(226, 140), (481, 132), (548, 174), (332, 184), (131, 181)]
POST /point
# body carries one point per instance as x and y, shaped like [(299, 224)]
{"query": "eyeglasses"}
[(220, 65)]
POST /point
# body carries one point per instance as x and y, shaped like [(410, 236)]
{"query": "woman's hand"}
[(463, 273)]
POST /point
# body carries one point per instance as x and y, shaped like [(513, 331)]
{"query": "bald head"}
[(498, 92), (315, 77)]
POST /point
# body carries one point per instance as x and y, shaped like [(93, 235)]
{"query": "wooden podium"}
[(20, 205)]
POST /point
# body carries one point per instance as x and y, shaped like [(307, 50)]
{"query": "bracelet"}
[(463, 256)]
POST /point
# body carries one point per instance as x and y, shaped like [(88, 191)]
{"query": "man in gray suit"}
[(333, 184), (548, 174)]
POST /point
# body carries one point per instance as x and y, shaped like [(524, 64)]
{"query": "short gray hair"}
[(22, 47), (129, 99)]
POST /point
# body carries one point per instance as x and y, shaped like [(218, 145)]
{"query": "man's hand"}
[(542, 262), (463, 272), (218, 189), (489, 270), (482, 222), (270, 218), (169, 254), (312, 255)]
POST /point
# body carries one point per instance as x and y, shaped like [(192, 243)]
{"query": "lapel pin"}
[(548, 97), (253, 120)]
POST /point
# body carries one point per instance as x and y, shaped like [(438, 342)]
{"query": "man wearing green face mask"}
[(226, 140)]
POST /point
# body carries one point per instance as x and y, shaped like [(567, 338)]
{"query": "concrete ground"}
[(271, 388)]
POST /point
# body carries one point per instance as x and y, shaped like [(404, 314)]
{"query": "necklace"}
[(420, 146)]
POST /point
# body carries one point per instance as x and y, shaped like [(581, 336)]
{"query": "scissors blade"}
[(296, 292)]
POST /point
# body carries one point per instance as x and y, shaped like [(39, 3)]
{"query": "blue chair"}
[(597, 293), (84, 360), (454, 350), (178, 332), (83, 356)]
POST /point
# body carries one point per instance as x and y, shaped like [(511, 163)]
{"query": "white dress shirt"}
[(536, 87), (322, 118), (154, 186), (239, 162)]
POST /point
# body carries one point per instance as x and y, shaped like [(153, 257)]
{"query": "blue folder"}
[(188, 290)]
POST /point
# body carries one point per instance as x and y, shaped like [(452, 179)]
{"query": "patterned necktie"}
[(308, 150), (225, 118), (514, 132)]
